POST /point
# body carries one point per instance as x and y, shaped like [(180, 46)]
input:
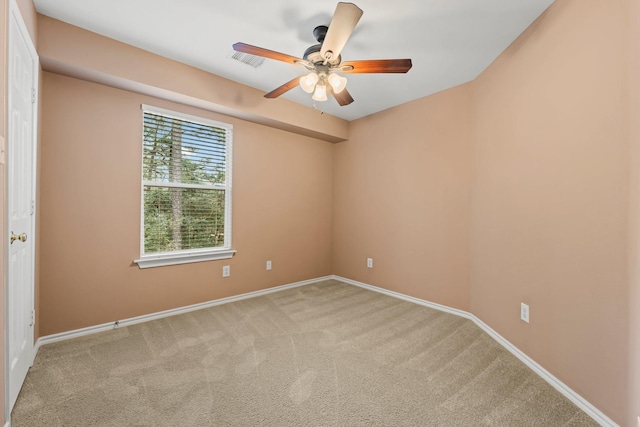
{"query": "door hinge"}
[(33, 95), (33, 317)]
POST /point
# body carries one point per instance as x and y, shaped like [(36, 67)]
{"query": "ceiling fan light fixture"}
[(323, 60), (308, 82), (320, 94), (337, 82)]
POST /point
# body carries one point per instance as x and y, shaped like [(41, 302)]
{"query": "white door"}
[(22, 73)]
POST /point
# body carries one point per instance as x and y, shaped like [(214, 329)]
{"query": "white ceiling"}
[(449, 41)]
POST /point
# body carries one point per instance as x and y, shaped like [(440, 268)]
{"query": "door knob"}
[(22, 237)]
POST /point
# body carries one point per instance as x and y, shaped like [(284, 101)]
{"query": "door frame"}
[(15, 15)]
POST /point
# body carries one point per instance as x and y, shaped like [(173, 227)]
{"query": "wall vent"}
[(247, 58)]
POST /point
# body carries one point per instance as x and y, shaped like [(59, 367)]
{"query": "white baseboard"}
[(414, 300), (574, 397), (153, 316), (566, 391)]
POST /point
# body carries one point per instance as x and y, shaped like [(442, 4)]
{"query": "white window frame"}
[(188, 255)]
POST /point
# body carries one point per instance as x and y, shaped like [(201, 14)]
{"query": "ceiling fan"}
[(324, 62)]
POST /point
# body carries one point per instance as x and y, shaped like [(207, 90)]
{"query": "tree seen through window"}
[(184, 181)]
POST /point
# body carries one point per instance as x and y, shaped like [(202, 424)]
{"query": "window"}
[(186, 189)]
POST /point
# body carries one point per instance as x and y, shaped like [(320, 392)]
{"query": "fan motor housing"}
[(312, 54)]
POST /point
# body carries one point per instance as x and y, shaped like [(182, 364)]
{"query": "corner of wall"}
[(402, 197)]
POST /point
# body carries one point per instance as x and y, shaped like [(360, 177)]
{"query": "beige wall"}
[(402, 197), (72, 51), (547, 135), (550, 188), (634, 211), (90, 211)]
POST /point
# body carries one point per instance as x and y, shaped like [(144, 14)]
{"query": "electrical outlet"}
[(226, 271), (369, 262), (268, 265), (524, 312)]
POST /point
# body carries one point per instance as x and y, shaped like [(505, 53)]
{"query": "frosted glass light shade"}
[(320, 94), (337, 82), (308, 82)]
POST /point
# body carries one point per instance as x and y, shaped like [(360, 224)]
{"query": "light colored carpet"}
[(326, 354)]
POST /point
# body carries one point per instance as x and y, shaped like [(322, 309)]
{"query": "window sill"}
[(161, 260)]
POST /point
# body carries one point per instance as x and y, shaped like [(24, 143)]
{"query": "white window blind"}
[(186, 178)]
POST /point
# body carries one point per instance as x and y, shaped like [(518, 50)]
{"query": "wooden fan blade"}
[(376, 66), (343, 98), (344, 21), (282, 89), (266, 53)]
